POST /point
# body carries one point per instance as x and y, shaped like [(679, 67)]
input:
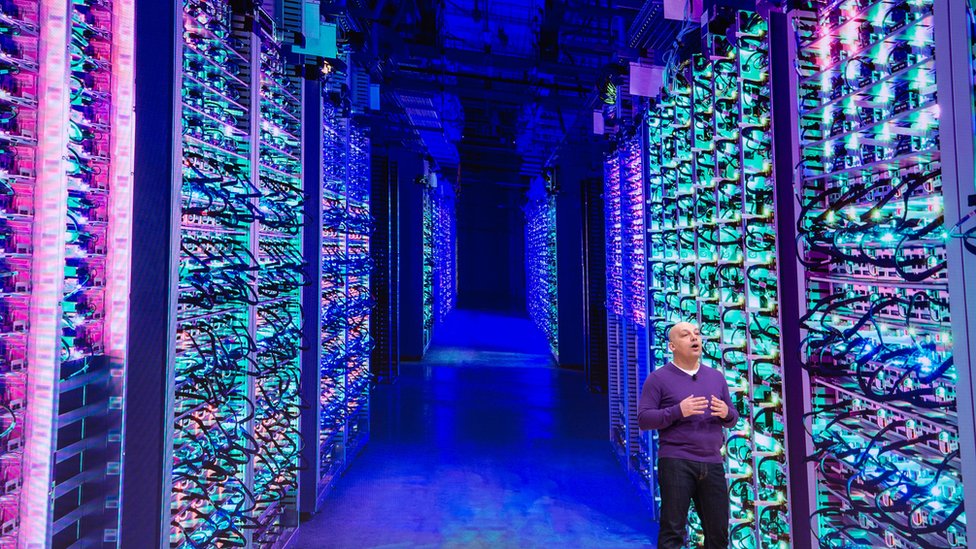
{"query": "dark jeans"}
[(683, 481)]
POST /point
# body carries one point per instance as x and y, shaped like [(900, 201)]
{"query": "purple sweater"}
[(698, 437)]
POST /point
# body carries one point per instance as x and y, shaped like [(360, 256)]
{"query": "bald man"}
[(689, 405)]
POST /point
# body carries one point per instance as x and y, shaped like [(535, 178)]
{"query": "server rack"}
[(428, 214), (633, 292), (554, 264), (444, 216), (711, 254), (384, 323), (330, 460), (217, 280), (359, 344), (416, 258), (346, 344), (427, 261), (635, 334), (884, 166), (65, 198), (616, 364), (629, 360), (541, 261)]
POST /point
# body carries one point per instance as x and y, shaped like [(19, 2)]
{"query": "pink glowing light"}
[(49, 237)]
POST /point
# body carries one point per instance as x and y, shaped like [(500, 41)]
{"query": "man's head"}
[(684, 341)]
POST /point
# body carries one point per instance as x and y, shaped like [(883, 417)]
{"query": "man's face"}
[(685, 341)]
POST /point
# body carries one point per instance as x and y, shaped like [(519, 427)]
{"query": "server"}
[(218, 280), (343, 376), (445, 250), (873, 135), (65, 198), (615, 306), (702, 187), (889, 396), (540, 261), (419, 195)]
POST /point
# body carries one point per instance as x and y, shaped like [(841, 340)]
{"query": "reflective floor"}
[(484, 444)]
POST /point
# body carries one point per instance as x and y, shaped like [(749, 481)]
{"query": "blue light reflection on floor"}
[(473, 454), (481, 331)]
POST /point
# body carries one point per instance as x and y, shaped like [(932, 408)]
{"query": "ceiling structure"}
[(490, 88)]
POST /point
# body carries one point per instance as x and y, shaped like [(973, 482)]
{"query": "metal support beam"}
[(795, 386), (311, 298), (156, 205), (953, 46)]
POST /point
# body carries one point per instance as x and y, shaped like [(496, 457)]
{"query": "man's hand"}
[(693, 406), (719, 408)]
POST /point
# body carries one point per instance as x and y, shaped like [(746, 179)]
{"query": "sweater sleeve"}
[(650, 415), (733, 413)]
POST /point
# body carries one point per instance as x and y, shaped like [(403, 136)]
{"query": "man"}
[(689, 405)]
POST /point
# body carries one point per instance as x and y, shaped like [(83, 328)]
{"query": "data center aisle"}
[(484, 444)]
